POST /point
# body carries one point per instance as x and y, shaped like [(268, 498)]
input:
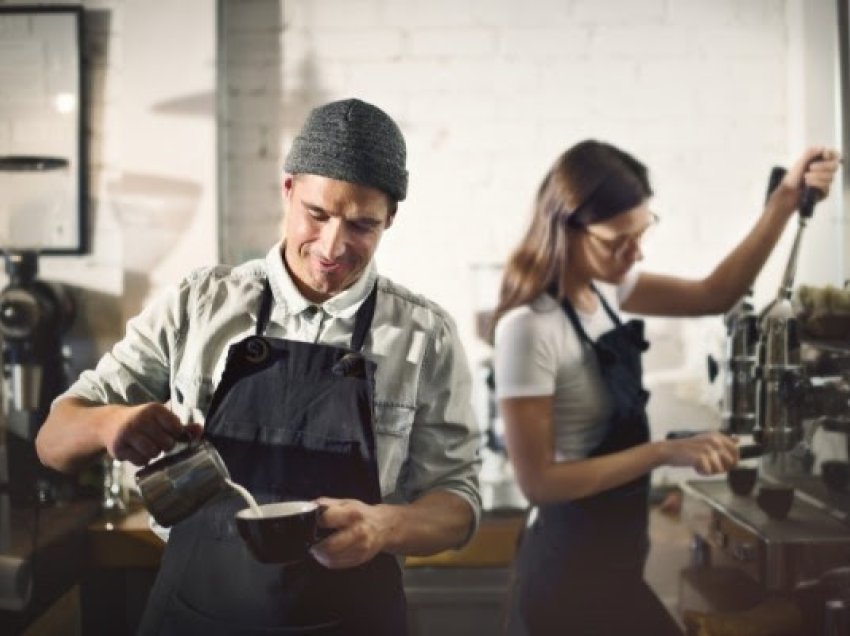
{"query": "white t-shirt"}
[(538, 353)]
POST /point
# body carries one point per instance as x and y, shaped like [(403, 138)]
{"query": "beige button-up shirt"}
[(426, 433)]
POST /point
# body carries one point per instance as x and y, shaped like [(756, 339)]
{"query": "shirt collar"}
[(287, 296)]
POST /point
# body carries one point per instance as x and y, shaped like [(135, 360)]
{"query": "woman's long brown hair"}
[(589, 183)]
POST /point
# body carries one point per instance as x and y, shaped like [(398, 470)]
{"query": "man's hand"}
[(361, 532), (140, 433)]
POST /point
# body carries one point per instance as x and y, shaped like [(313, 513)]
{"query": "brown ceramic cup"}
[(775, 501), (285, 531), (742, 479)]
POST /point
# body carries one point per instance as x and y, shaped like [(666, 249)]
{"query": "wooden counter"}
[(128, 542), (492, 546), (124, 541)]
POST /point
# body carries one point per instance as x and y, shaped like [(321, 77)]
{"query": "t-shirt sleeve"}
[(524, 359)]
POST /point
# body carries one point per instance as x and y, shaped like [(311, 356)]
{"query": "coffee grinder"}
[(34, 316)]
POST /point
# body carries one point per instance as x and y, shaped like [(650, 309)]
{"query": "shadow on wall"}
[(153, 212), (96, 26), (98, 322), (305, 95), (97, 326), (195, 104), (258, 116)]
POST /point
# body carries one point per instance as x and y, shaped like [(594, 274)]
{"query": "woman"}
[(568, 376)]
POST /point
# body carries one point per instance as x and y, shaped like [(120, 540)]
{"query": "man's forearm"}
[(437, 521), (69, 438)]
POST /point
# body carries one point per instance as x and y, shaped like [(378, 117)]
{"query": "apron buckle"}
[(256, 349)]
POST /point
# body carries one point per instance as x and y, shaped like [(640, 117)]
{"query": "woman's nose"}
[(638, 255), (632, 252)]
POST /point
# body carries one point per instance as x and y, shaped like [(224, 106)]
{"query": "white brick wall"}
[(488, 92)]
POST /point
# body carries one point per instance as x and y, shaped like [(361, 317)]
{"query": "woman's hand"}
[(707, 453), (816, 168)]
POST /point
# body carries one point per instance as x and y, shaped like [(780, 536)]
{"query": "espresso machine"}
[(791, 393), (34, 316), (739, 390)]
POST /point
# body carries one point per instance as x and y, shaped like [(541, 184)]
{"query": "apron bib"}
[(292, 421), (579, 568)]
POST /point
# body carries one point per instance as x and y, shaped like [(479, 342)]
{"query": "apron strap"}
[(265, 309), (362, 320), (573, 316), (611, 313), (574, 319)]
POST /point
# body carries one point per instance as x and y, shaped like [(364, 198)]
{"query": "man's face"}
[(331, 230)]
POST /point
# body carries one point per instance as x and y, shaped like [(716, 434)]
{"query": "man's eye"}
[(361, 228), (317, 215)]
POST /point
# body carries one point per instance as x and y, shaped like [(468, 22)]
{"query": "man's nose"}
[(333, 239)]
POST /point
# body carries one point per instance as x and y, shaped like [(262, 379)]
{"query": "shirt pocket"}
[(393, 423), (190, 398)]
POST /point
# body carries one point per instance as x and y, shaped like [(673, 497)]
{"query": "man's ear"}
[(286, 185)]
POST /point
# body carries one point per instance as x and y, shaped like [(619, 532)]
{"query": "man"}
[(267, 353)]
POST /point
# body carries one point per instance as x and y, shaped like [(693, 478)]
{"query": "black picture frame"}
[(36, 167)]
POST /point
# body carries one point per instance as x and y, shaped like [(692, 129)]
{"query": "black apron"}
[(292, 421), (579, 568)]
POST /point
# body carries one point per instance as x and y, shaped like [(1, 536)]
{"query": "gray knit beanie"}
[(352, 141)]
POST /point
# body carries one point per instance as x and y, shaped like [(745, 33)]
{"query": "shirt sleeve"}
[(525, 364), (138, 368), (445, 439)]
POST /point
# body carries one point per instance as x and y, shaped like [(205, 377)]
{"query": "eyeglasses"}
[(618, 247)]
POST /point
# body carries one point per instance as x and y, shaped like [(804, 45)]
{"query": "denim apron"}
[(579, 567), (292, 421)]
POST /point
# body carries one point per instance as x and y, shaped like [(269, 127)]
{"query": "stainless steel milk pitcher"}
[(178, 484)]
